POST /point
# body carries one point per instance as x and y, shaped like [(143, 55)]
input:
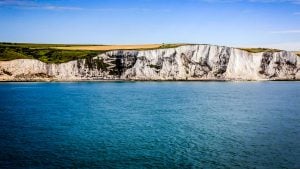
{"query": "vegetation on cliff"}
[(60, 53), (43, 53), (258, 50)]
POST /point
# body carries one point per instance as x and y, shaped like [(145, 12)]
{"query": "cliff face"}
[(190, 62)]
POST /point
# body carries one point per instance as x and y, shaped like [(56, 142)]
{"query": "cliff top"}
[(60, 53), (258, 50)]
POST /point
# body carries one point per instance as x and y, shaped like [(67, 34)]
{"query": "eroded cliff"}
[(189, 62)]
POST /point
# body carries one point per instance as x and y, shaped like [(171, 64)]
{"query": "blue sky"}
[(251, 23)]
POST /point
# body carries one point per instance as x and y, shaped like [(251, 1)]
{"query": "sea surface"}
[(150, 125)]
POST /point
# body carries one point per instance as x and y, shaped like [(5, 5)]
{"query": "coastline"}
[(123, 80), (184, 63)]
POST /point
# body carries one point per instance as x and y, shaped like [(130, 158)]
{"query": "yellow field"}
[(298, 53), (111, 47)]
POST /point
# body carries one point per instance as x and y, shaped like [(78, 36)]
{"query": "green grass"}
[(258, 50), (42, 52), (6, 54), (48, 54)]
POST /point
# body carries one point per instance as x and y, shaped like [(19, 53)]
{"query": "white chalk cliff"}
[(189, 62)]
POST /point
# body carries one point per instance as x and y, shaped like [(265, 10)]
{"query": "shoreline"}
[(78, 81)]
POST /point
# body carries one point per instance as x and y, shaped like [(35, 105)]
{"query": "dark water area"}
[(150, 125)]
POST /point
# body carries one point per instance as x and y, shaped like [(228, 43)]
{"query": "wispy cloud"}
[(127, 10), (27, 4), (253, 1), (31, 4), (276, 1), (286, 32)]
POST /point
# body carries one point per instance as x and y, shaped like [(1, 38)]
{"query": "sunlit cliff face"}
[(190, 62)]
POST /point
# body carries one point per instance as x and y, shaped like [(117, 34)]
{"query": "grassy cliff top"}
[(42, 52), (91, 47), (258, 50), (60, 53), (118, 47)]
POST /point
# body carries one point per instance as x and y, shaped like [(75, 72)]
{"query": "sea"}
[(150, 125)]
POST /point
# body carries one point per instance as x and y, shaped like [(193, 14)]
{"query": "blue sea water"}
[(150, 125)]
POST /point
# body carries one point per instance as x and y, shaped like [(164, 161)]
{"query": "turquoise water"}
[(150, 125)]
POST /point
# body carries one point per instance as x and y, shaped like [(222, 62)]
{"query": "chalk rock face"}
[(190, 62)]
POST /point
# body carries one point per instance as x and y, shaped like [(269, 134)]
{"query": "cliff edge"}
[(188, 62)]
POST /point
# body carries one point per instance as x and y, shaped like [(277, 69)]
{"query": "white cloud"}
[(286, 32), (29, 4), (254, 1)]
